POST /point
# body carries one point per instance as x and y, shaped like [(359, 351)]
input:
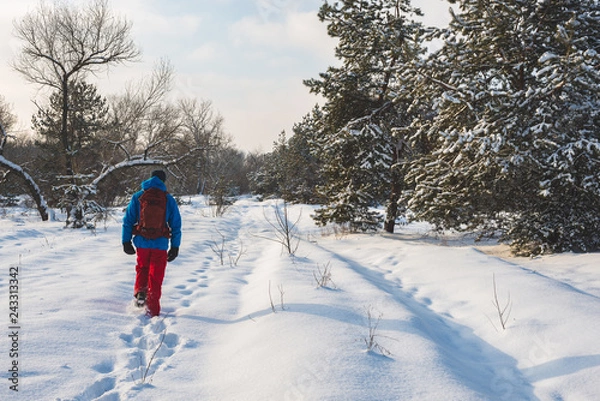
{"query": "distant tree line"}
[(89, 151), (497, 131)]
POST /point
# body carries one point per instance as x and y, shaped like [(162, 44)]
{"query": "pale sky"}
[(248, 57)]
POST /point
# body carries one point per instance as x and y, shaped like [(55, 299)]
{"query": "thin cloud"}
[(296, 31), (204, 52)]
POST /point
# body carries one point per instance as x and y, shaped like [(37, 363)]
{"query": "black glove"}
[(128, 248), (172, 254)]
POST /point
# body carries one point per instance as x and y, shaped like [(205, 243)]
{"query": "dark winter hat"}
[(160, 174)]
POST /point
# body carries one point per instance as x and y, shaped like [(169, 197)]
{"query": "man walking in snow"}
[(151, 221)]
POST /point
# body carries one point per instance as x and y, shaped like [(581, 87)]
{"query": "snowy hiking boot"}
[(140, 299)]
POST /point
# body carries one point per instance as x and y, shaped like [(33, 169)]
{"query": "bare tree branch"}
[(33, 188)]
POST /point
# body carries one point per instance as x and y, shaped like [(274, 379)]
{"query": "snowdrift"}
[(409, 316)]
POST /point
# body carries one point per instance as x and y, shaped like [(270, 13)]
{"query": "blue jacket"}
[(132, 215)]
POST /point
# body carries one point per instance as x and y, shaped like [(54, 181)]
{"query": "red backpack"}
[(153, 215)]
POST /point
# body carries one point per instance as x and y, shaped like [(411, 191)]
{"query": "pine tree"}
[(290, 170), (514, 142), (566, 208), (79, 148), (86, 123), (357, 169), (364, 104)]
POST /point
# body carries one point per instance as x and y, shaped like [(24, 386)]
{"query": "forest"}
[(495, 132)]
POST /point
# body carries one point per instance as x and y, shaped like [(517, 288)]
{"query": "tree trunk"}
[(396, 187), (392, 209), (34, 189), (64, 129)]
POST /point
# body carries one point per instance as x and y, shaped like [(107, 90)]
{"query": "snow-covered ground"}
[(435, 332)]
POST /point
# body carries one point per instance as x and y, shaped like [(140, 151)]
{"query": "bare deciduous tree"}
[(63, 42), (503, 312), (146, 130), (203, 128), (7, 119), (130, 111), (286, 231)]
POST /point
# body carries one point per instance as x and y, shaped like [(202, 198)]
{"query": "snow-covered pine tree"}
[(363, 106), (78, 145), (289, 171), (357, 167), (303, 166), (566, 206), (514, 143), (87, 119)]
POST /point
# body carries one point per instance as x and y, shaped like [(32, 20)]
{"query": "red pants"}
[(150, 272)]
